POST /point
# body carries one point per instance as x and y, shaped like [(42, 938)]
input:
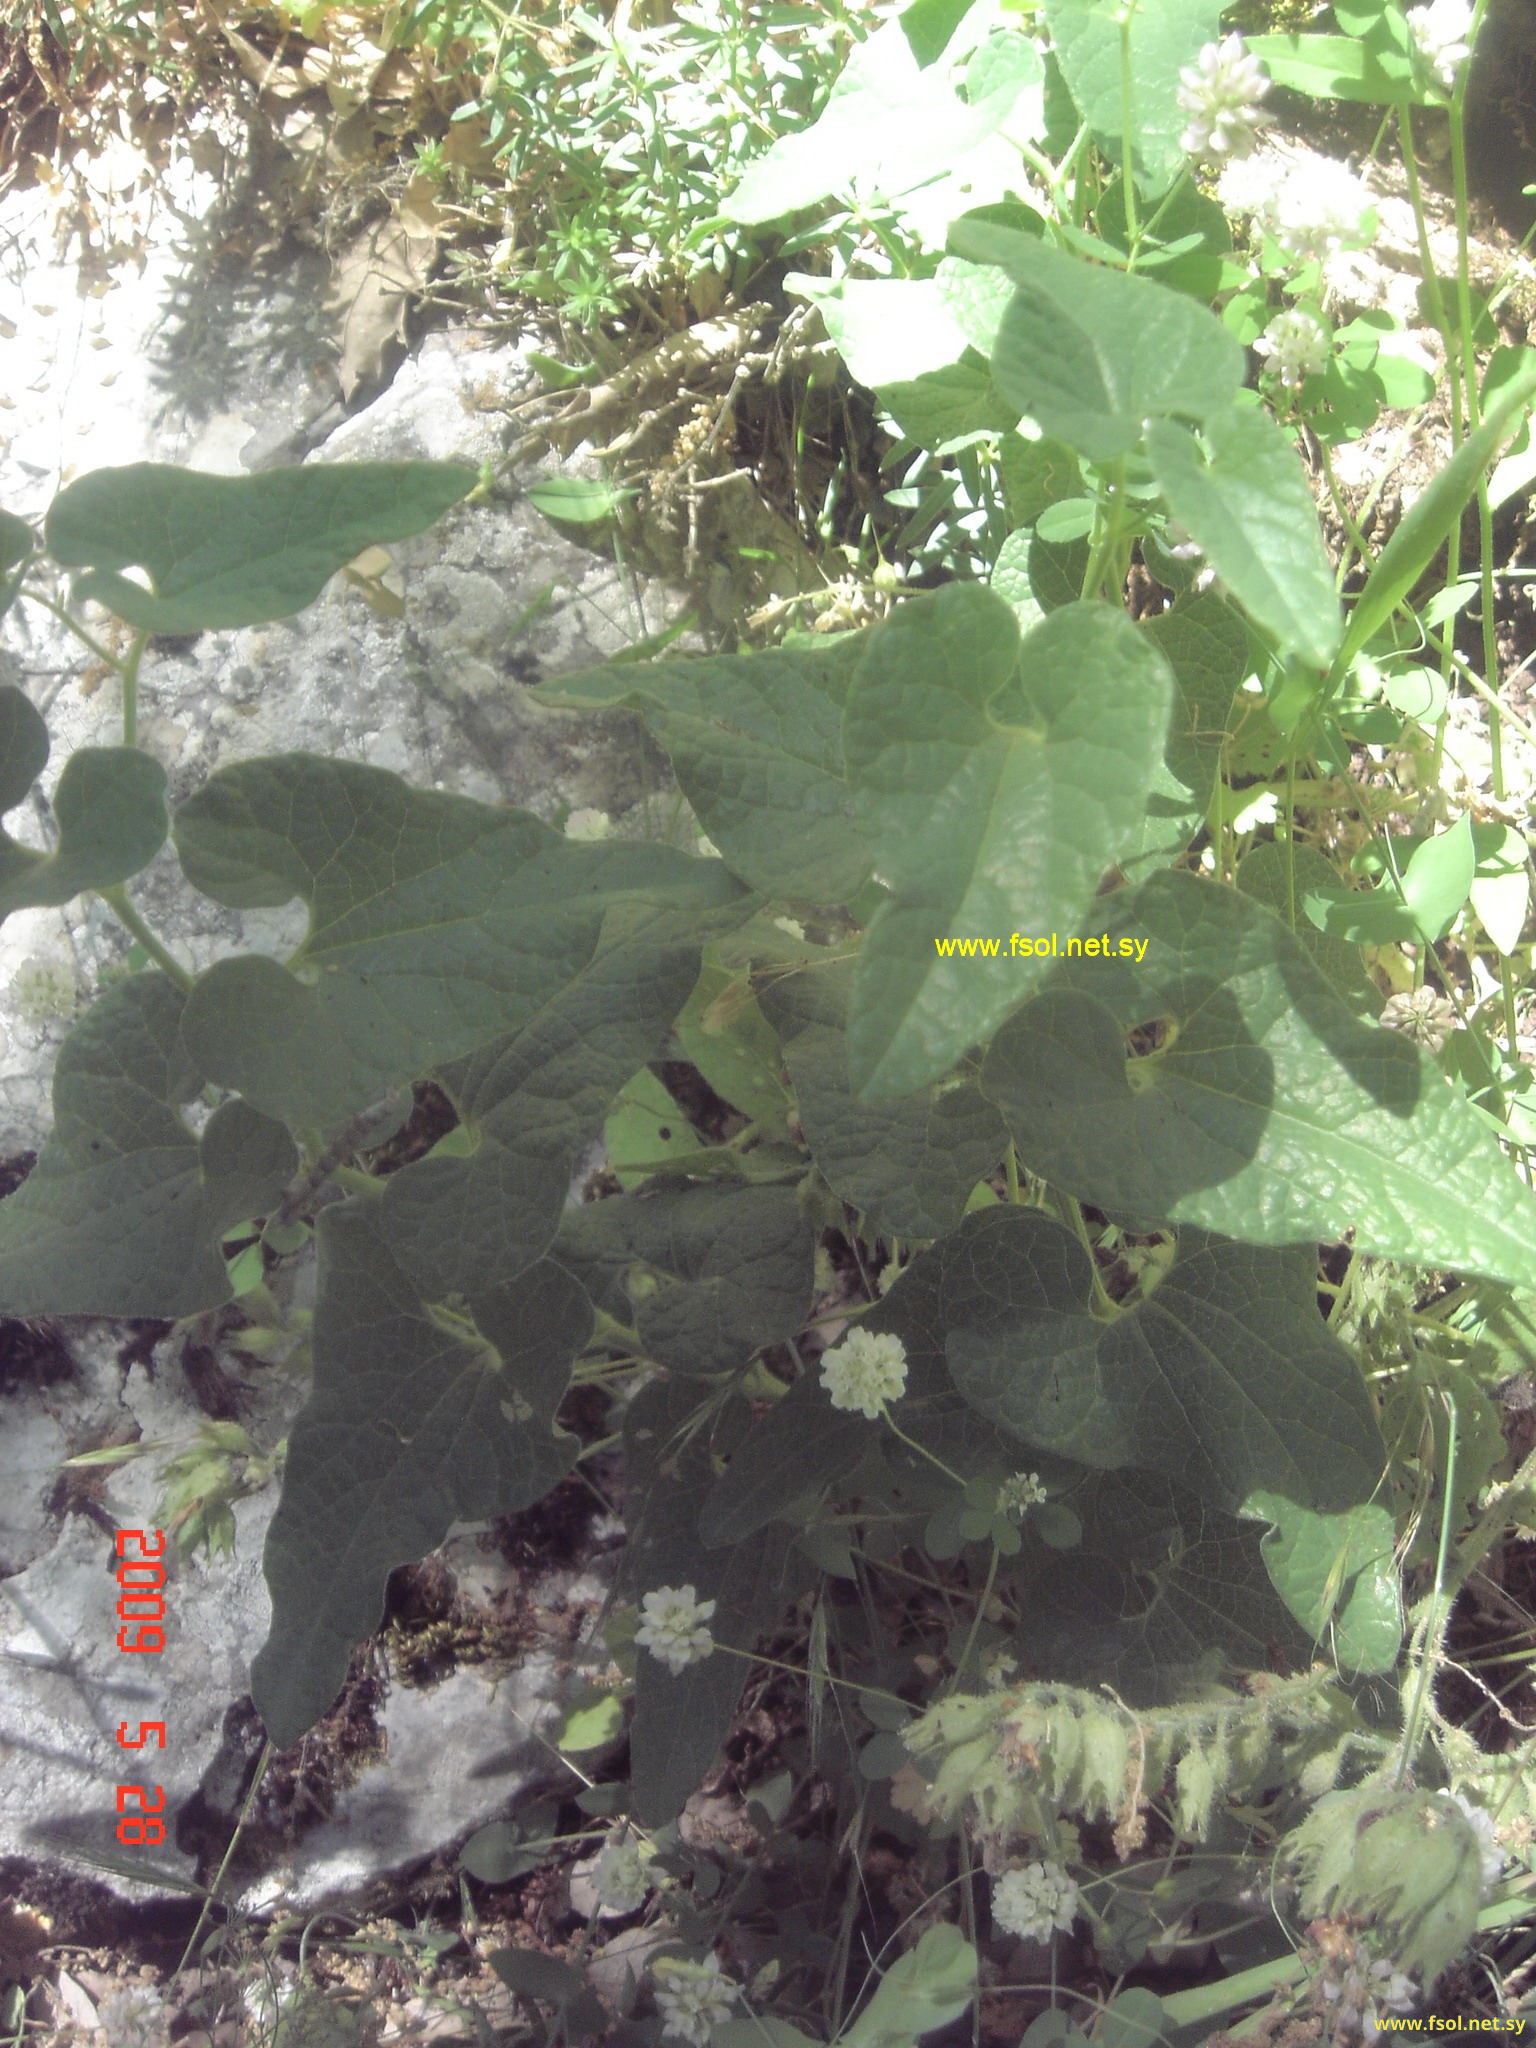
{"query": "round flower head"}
[(134, 2016), (693, 1998), (1020, 1493), (865, 1371), (1296, 345), (1036, 1901), (621, 1880), (1442, 36), (674, 1627), (1221, 92), (588, 824), (1319, 208)]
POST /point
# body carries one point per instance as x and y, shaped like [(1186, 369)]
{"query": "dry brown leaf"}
[(371, 292)]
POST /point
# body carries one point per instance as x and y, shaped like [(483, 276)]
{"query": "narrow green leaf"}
[(1338, 1576), (1268, 1112), (412, 1424), (1251, 511), (223, 551), (124, 1212), (579, 500), (927, 1988), (1224, 1378), (1092, 354), (1165, 35), (995, 784), (1419, 533)]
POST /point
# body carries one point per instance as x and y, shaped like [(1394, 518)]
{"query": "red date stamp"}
[(141, 1613)]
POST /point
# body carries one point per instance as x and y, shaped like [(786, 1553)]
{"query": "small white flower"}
[(588, 824), (1023, 1491), (621, 1880), (790, 925), (1319, 208), (1296, 344), (865, 1371), (43, 989), (693, 1998), (134, 2016), (1442, 35), (999, 1669), (1481, 1821), (1221, 92), (674, 1627), (1035, 1901)]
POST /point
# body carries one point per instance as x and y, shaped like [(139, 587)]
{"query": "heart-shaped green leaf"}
[(994, 784), (124, 1211), (1224, 1377), (1254, 1104), (109, 807), (414, 1422), (1338, 1576), (223, 551), (1165, 35), (437, 925), (1092, 354)]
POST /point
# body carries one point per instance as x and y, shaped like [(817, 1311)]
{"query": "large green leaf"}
[(713, 1273), (225, 551), (1267, 1111), (927, 1988), (532, 1101), (1338, 1576), (437, 926), (909, 1163), (1092, 354), (1164, 1594), (1224, 1377), (123, 1212), (681, 1718), (995, 784), (1282, 877), (109, 807), (727, 1037), (1336, 68), (413, 1423), (888, 330), (802, 1446), (756, 741), (943, 407), (890, 126), (1205, 643), (1165, 35), (1250, 509)]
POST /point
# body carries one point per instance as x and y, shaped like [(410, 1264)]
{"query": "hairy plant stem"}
[(1430, 1633), (116, 899)]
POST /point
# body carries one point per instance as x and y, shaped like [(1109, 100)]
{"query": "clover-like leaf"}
[(1224, 1377), (437, 926), (109, 806), (995, 784), (910, 1163), (223, 551), (123, 1212), (417, 1419), (1253, 1103), (1092, 354), (756, 743)]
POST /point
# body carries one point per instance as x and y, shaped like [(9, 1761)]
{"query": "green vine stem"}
[(117, 900)]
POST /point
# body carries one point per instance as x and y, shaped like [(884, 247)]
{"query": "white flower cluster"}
[(1221, 92), (134, 2016), (621, 1879), (1482, 1826), (1021, 1492), (43, 989), (1316, 208), (1442, 36), (693, 1998), (1035, 1902), (865, 1371), (674, 1627), (1296, 346)]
